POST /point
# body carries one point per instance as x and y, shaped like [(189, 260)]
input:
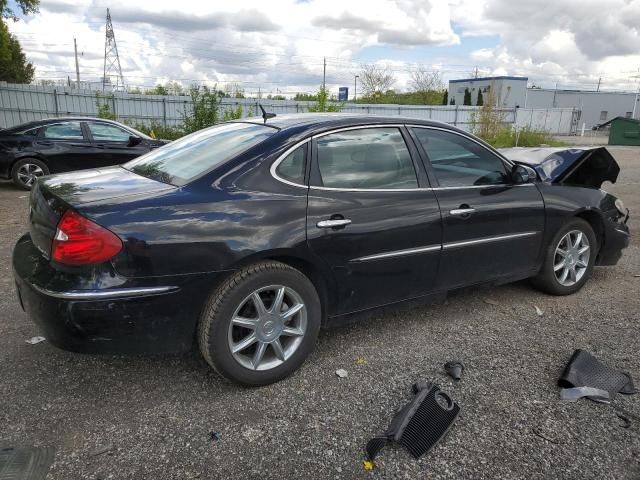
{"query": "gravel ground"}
[(154, 414)]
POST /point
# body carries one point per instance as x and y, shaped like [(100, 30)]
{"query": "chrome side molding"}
[(105, 294)]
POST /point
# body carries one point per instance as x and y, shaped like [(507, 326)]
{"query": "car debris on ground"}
[(35, 340)]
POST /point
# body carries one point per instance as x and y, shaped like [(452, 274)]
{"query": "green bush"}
[(157, 130), (525, 137)]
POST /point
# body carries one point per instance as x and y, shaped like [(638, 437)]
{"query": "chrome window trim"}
[(358, 127), (281, 158), (104, 294), (398, 253), (495, 238), (444, 246)]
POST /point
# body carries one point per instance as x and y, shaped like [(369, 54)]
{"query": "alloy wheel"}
[(571, 258), (267, 327), (28, 173)]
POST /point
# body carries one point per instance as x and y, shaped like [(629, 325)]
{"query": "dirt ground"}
[(151, 417)]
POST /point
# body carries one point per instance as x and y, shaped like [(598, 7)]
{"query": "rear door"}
[(371, 216), (112, 146), (64, 146), (492, 228)]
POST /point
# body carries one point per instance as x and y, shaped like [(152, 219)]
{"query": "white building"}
[(594, 107), (509, 92)]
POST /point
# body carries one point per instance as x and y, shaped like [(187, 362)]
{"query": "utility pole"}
[(355, 88), (75, 48), (475, 73), (324, 73), (598, 87)]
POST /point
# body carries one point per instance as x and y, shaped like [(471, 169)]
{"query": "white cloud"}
[(278, 46)]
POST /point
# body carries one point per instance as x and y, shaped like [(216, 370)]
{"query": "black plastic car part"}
[(420, 424), (26, 463), (585, 370)]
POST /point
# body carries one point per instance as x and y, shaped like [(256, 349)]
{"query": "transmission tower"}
[(111, 59)]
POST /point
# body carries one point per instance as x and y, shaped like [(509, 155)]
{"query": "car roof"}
[(311, 121), (46, 121)]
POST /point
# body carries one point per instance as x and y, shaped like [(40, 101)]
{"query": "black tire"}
[(18, 168), (546, 279), (213, 328)]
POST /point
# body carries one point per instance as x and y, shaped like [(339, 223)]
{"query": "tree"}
[(322, 104), (26, 6), (428, 84), (14, 67), (480, 101), (445, 97), (375, 80), (453, 101), (157, 90), (467, 97)]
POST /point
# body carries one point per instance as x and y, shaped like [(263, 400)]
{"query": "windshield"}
[(185, 159)]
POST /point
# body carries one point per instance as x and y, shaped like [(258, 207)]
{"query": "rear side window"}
[(63, 131), (102, 132), (369, 158), (460, 162), (181, 161), (292, 167)]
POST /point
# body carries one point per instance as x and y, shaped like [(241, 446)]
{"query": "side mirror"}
[(522, 174), (134, 140)]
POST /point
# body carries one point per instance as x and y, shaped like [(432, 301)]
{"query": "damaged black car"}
[(247, 237)]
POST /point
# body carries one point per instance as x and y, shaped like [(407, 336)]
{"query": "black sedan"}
[(247, 237), (59, 145)]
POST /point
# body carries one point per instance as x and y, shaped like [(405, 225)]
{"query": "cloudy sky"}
[(279, 45)]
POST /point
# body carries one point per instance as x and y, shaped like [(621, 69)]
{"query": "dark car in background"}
[(247, 237), (58, 145)]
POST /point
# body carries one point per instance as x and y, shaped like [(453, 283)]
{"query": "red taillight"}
[(79, 241)]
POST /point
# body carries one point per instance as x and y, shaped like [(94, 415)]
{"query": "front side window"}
[(63, 131), (183, 160), (292, 167), (460, 162), (369, 158), (102, 132)]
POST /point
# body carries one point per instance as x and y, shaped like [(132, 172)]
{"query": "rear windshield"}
[(181, 161)]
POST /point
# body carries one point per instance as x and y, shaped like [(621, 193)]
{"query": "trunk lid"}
[(579, 166), (52, 196)]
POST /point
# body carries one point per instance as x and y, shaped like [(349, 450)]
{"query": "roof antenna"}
[(266, 116)]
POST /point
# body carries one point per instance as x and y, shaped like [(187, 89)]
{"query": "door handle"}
[(462, 212), (338, 222)]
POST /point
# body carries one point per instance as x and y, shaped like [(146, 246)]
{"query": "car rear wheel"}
[(261, 324), (569, 259), (26, 171)]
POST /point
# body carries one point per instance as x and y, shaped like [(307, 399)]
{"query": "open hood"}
[(580, 166)]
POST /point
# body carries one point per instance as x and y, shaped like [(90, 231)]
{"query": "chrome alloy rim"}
[(267, 327), (28, 173), (571, 258)]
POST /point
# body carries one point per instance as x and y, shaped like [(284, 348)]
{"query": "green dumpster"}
[(624, 131)]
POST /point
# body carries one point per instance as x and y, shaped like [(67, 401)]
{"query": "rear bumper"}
[(132, 317), (616, 239)]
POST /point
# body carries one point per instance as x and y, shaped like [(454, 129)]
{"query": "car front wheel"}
[(261, 324), (569, 259)]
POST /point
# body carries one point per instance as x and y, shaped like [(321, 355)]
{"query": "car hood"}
[(86, 186), (582, 166)]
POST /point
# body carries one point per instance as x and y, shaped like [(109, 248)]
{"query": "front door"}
[(371, 218), (112, 146), (492, 228)]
